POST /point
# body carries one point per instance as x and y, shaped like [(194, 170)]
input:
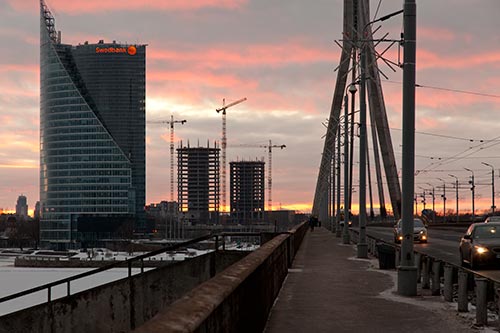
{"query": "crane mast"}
[(224, 146), (172, 123), (269, 172)]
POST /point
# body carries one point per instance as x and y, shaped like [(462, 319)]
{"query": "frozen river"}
[(16, 279)]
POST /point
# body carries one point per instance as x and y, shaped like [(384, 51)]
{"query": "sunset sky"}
[(281, 56)]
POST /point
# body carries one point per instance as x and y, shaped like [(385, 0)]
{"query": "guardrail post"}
[(436, 281), (418, 263), (481, 301), (448, 283), (224, 242), (426, 263), (463, 301)]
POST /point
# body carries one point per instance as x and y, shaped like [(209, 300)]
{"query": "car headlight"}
[(421, 232), (480, 249), (400, 237)]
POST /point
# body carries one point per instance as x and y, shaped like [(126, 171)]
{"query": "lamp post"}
[(456, 190), (492, 187), (472, 188)]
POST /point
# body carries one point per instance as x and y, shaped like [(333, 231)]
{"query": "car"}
[(494, 218), (419, 231), (480, 245)]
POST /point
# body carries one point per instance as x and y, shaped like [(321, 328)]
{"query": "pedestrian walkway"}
[(329, 290)]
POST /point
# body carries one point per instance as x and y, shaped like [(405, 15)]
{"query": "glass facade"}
[(92, 133)]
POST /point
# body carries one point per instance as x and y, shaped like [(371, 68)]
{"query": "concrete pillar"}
[(463, 302), (448, 283), (425, 272), (481, 301), (436, 281)]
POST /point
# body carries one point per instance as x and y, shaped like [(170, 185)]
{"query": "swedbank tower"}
[(92, 138)]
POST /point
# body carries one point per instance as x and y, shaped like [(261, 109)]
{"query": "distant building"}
[(198, 184), (247, 191), (36, 214), (92, 137), (22, 207), (166, 217)]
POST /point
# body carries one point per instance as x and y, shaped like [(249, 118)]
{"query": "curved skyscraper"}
[(92, 137)]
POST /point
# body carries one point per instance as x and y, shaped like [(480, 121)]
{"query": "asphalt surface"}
[(329, 290), (443, 244)]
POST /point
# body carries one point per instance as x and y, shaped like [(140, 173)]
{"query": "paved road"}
[(443, 244)]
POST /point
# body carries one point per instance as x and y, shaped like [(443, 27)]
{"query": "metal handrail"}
[(125, 263)]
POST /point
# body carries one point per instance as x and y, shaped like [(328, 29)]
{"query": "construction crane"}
[(270, 147), (224, 144), (172, 123)]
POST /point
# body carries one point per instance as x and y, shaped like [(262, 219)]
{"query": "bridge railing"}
[(237, 299), (453, 282), (137, 261)]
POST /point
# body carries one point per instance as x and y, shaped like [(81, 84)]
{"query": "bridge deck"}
[(328, 290)]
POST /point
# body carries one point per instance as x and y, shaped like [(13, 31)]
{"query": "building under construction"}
[(198, 184), (247, 191)]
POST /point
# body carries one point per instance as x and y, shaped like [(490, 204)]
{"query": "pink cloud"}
[(99, 6), (198, 78), (435, 34), (293, 52)]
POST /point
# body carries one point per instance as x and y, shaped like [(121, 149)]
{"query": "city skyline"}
[(280, 56)]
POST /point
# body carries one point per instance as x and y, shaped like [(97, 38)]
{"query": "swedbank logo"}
[(131, 50)]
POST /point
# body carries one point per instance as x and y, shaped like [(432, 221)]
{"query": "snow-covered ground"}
[(16, 279)]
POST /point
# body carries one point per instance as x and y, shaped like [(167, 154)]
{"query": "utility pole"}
[(224, 145), (338, 232), (433, 204), (472, 189), (444, 199), (362, 246), (456, 191), (492, 187), (407, 271)]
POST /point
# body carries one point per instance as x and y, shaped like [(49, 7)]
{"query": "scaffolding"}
[(198, 184)]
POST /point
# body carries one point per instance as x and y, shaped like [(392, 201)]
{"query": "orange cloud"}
[(99, 6)]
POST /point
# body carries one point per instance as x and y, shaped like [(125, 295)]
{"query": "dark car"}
[(481, 244), (419, 231)]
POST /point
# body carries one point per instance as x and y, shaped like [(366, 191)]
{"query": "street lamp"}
[(456, 190), (444, 199), (492, 187), (472, 190)]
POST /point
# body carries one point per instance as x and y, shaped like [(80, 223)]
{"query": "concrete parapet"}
[(236, 300), (121, 305)]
